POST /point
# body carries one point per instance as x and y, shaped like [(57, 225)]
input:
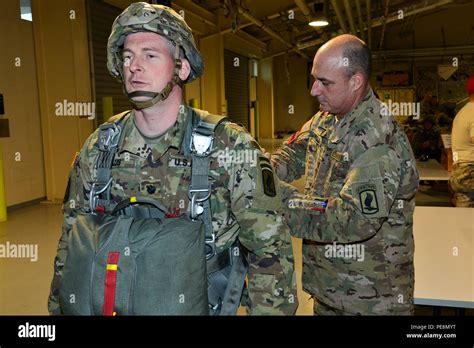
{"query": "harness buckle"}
[(196, 206), (210, 243), (201, 144), (109, 136), (97, 188)]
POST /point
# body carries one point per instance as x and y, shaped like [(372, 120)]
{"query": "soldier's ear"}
[(357, 81), (185, 69)]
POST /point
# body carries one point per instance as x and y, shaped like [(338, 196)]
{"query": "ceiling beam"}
[(304, 9), (307, 13), (408, 11), (425, 52), (196, 11), (368, 5), (269, 31), (384, 23), (228, 30), (348, 8), (252, 40), (336, 8), (361, 22)]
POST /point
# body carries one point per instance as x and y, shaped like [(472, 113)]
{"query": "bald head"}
[(341, 72), (351, 52)]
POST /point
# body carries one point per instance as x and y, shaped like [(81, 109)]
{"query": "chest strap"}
[(110, 136), (200, 147)]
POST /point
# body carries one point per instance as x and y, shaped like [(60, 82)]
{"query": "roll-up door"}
[(237, 87), (101, 16)]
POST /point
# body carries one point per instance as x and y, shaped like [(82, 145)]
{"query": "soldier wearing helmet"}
[(151, 50), (142, 17)]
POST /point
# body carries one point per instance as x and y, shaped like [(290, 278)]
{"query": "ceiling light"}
[(319, 19), (318, 23)]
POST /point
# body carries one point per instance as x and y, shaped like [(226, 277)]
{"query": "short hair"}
[(359, 58)]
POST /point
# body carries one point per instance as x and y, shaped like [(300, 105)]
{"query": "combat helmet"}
[(162, 20)]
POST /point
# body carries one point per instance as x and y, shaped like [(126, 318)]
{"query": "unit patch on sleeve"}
[(368, 201), (267, 177), (370, 197)]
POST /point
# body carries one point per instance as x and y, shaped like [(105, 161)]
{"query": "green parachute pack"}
[(135, 261)]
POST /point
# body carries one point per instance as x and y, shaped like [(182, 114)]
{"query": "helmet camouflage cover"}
[(159, 19)]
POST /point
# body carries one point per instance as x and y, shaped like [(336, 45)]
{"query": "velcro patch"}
[(369, 198), (293, 137), (369, 202), (267, 177)]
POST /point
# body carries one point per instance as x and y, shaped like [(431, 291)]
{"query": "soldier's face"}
[(148, 64), (332, 87)]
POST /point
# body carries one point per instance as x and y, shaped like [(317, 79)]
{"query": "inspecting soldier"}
[(148, 191), (356, 213)]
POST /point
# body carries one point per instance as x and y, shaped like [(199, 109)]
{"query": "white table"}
[(432, 170), (441, 277)]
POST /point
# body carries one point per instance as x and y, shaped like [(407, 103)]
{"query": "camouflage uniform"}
[(245, 200), (363, 167), (241, 207), (462, 184), (462, 176)]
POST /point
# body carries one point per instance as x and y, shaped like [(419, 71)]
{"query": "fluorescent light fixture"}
[(319, 19), (25, 10), (318, 23)]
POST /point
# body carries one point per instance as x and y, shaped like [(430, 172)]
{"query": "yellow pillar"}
[(3, 203), (108, 105), (194, 103)]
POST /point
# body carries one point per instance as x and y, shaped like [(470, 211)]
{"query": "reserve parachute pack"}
[(133, 260)]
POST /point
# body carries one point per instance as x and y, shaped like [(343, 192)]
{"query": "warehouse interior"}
[(258, 56)]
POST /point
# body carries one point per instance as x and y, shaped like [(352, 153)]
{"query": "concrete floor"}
[(24, 285)]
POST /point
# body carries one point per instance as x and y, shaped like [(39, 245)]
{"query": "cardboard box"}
[(447, 159)]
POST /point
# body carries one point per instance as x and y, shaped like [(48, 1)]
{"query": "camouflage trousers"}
[(320, 308), (462, 185)]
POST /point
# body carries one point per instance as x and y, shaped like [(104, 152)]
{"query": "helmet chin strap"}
[(160, 96)]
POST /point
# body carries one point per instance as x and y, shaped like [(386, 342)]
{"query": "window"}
[(25, 10)]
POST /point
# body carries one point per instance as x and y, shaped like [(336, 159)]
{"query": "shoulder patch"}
[(267, 177), (369, 202), (293, 137)]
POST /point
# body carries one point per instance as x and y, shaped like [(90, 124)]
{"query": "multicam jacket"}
[(245, 202), (357, 250)]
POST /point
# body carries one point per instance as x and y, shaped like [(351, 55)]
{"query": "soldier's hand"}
[(266, 154)]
